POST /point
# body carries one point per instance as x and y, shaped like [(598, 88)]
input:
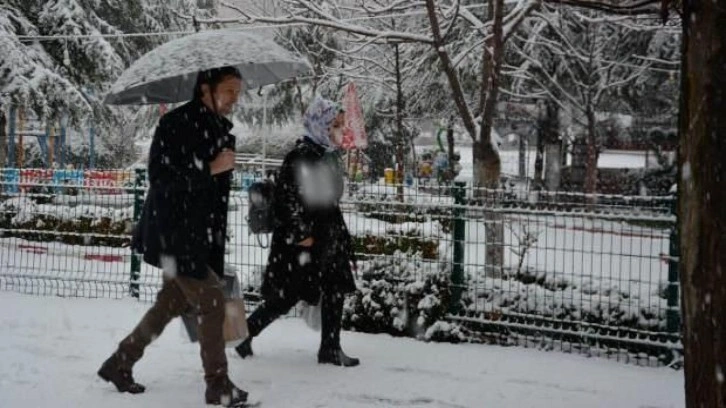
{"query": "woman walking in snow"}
[(311, 256)]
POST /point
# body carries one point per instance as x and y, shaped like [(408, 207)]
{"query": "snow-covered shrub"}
[(410, 242), (17, 210), (446, 331), (383, 203), (571, 303), (80, 225), (402, 297)]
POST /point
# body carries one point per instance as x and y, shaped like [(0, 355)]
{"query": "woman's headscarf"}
[(317, 121)]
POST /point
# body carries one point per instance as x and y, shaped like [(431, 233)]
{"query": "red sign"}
[(354, 135), (104, 182), (30, 178)]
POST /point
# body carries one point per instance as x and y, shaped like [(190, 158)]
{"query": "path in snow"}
[(51, 347)]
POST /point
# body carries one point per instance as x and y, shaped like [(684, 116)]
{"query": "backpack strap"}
[(259, 241)]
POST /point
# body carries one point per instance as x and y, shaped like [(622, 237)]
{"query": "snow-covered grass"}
[(574, 269), (51, 348), (381, 193), (510, 161), (581, 248)]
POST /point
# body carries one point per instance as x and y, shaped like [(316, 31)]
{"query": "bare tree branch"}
[(465, 53), (516, 18), (400, 5), (450, 71), (635, 8), (452, 23), (331, 22)]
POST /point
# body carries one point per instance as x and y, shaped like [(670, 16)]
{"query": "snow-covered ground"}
[(51, 348), (510, 161)]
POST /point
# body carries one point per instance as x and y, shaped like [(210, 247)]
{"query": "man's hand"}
[(222, 163), (307, 242)]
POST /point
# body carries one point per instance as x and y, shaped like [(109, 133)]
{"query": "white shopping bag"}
[(235, 315), (312, 314)]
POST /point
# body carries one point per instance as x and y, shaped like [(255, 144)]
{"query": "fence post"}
[(138, 205), (459, 232), (673, 313)]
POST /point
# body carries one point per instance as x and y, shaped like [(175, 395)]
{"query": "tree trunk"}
[(702, 202), (3, 140), (539, 154), (491, 168), (449, 69), (20, 145), (592, 153), (578, 166), (401, 142), (487, 162), (51, 144), (522, 156), (487, 167), (553, 146), (553, 172), (450, 143)]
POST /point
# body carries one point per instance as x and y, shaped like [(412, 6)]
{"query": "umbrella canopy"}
[(168, 73)]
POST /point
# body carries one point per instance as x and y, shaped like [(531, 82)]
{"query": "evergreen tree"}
[(51, 78)]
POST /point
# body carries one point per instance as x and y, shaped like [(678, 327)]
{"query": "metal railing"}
[(593, 274)]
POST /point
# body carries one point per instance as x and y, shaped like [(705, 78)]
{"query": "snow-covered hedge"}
[(410, 244), (403, 297), (643, 308), (383, 203), (79, 225)]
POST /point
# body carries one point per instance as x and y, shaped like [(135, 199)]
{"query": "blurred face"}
[(226, 95), (336, 129)]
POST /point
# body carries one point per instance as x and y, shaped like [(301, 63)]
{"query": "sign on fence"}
[(112, 182), (67, 178), (10, 180), (30, 178), (27, 180)]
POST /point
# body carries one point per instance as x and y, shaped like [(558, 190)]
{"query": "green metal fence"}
[(589, 274)]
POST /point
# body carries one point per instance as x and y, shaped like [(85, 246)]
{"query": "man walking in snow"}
[(183, 231)]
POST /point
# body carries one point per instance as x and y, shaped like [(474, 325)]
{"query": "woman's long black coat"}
[(294, 272)]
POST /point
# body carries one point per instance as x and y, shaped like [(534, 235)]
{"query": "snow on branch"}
[(396, 6), (355, 54), (450, 71), (515, 17), (613, 7), (325, 20)]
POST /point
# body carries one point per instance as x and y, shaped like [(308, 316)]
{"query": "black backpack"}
[(260, 216)]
